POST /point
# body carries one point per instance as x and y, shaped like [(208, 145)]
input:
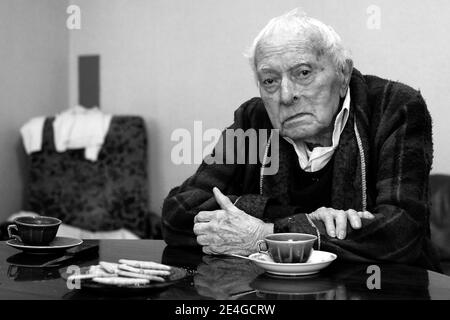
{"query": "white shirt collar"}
[(316, 159)]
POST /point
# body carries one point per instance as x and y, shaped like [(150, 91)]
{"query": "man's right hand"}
[(335, 221)]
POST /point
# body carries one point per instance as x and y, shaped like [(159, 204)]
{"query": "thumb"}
[(223, 201)]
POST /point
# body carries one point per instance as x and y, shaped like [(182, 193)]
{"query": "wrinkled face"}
[(301, 91)]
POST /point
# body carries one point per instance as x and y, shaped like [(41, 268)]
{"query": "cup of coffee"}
[(35, 231), (288, 247)]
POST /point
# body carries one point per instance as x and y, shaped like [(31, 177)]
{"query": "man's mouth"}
[(295, 117)]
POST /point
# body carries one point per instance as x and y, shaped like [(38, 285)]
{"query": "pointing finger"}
[(223, 201)]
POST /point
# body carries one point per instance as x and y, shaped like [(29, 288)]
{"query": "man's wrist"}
[(268, 229)]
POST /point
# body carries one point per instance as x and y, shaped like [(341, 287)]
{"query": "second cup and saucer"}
[(37, 235), (317, 261), (291, 254)]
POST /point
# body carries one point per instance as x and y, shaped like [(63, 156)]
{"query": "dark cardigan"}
[(385, 173)]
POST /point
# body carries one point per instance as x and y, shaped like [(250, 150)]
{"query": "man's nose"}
[(288, 92)]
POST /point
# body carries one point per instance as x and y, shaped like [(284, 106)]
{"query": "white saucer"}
[(57, 245), (316, 262)]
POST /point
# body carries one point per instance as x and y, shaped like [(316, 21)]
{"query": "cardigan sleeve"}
[(398, 232), (195, 194)]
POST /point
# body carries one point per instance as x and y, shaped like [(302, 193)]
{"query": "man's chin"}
[(295, 134)]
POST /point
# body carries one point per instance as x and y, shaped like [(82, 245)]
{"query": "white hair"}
[(312, 32)]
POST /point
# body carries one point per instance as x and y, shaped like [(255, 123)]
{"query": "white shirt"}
[(314, 160)]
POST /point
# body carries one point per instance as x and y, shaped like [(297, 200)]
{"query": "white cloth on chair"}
[(32, 134), (81, 128)]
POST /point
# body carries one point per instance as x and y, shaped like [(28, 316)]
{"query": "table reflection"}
[(27, 267), (396, 281), (225, 277), (18, 273), (222, 277), (292, 288)]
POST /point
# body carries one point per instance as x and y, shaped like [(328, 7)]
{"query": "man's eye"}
[(268, 82), (302, 73), (305, 72)]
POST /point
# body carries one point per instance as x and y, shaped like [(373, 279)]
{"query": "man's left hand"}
[(229, 230)]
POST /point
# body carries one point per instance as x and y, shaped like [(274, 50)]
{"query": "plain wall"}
[(33, 82), (177, 61)]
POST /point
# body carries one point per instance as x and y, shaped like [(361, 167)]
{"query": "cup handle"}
[(12, 227), (259, 243)]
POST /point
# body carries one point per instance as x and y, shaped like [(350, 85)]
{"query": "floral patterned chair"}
[(106, 195)]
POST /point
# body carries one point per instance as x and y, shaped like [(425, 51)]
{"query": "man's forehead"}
[(289, 43), (287, 53)]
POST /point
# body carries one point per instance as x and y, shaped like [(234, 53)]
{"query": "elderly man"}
[(354, 158)]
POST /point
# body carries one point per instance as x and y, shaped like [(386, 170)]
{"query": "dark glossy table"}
[(220, 277)]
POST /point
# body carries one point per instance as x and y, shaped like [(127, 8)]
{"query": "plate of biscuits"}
[(124, 275)]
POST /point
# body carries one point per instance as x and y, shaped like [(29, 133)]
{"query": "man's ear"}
[(346, 75)]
